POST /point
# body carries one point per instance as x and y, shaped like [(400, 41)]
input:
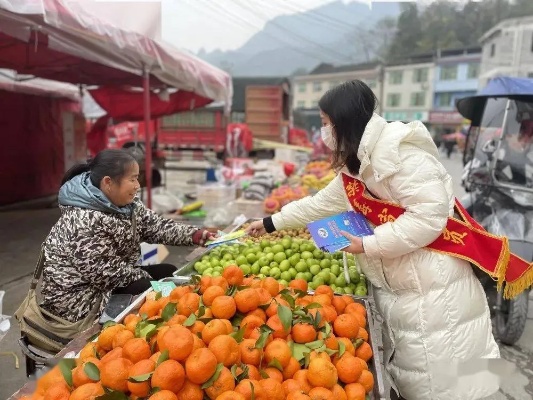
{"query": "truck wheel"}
[(511, 316)]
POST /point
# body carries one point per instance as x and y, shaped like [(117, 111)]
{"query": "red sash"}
[(463, 238)]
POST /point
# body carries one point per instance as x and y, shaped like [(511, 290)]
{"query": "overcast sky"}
[(223, 24)]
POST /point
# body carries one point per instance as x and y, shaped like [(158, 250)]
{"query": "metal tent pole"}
[(147, 138)]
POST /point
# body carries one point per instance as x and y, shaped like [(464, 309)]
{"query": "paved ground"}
[(21, 233)]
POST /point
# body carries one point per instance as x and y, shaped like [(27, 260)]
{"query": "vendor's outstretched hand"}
[(356, 244), (256, 228), (201, 236)]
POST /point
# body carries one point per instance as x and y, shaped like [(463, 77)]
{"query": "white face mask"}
[(326, 132)]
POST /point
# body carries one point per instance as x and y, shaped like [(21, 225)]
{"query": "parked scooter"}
[(498, 177)]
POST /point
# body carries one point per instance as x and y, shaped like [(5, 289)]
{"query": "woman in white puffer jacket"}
[(436, 317)]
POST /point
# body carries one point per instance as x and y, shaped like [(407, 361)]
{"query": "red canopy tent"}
[(58, 40)]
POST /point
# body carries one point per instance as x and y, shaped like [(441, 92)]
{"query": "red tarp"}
[(59, 40), (127, 105), (31, 155)]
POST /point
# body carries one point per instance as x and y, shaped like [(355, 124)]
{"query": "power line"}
[(337, 55)]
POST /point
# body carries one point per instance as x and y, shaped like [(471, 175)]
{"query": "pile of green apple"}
[(286, 259)]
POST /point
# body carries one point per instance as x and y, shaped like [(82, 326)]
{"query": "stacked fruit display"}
[(282, 196), (302, 233), (225, 338), (286, 259), (317, 175)]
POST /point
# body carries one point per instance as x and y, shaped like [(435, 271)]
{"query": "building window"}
[(420, 75), (332, 84), (444, 100), (302, 87), (314, 103), (371, 84), (317, 86), (418, 99), (473, 71), (300, 104), (395, 77), (530, 75), (492, 49), (448, 73), (393, 99)]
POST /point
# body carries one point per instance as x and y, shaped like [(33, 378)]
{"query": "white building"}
[(408, 89), (507, 49), (308, 89)]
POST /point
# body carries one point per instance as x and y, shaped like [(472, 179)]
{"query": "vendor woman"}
[(94, 248)]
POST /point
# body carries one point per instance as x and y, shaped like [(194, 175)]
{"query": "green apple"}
[(348, 290), (284, 282), (289, 252), (263, 261), (251, 257), (265, 243), (267, 250), (279, 257), (265, 270), (340, 281), (325, 263), (306, 255), (284, 265), (208, 271), (314, 269), (295, 247), (274, 264), (246, 269), (312, 285), (360, 291), (255, 268), (317, 280), (286, 276), (293, 272), (275, 272), (308, 276), (227, 256), (353, 274), (286, 243), (270, 257), (301, 266), (241, 260), (301, 275), (318, 254), (216, 273), (335, 269), (294, 259)]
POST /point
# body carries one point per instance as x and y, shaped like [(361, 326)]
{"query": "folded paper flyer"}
[(226, 238), (327, 232)]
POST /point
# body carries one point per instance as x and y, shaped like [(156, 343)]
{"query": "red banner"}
[(462, 237)]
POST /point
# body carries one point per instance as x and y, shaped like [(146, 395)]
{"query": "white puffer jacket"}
[(437, 321)]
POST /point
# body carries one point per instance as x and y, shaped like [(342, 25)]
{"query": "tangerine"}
[(291, 368), (163, 395), (233, 274), (223, 383), (105, 339), (346, 325), (339, 393), (89, 391), (280, 332), (200, 366), (79, 377), (169, 375), (112, 355), (271, 285), (367, 380), (136, 349), (320, 393), (273, 373), (190, 391), (141, 389), (322, 373), (115, 373), (303, 333), (220, 281), (212, 329), (178, 340), (348, 368), (150, 308), (245, 389), (231, 395), (249, 353), (301, 377), (355, 391), (122, 337), (179, 292), (224, 307), (211, 293), (188, 304), (57, 391), (364, 351), (290, 385), (247, 300), (226, 350), (299, 284), (278, 350), (273, 388)]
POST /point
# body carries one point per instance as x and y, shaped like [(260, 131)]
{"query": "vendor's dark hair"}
[(349, 106), (111, 162)]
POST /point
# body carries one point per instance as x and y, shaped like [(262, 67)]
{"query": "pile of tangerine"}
[(225, 338)]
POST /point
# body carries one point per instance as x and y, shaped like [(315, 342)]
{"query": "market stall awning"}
[(38, 87), (58, 40)]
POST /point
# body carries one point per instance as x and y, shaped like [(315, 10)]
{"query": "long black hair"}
[(111, 162), (349, 106)]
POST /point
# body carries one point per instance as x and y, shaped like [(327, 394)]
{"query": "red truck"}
[(262, 105)]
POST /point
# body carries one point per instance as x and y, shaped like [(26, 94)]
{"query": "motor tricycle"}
[(498, 179)]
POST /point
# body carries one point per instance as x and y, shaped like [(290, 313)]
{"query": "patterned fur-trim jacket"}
[(89, 253)]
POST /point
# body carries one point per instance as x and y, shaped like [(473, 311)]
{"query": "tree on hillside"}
[(439, 27), (443, 25), (409, 31)]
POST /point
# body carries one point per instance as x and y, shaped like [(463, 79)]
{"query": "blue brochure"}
[(327, 232)]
